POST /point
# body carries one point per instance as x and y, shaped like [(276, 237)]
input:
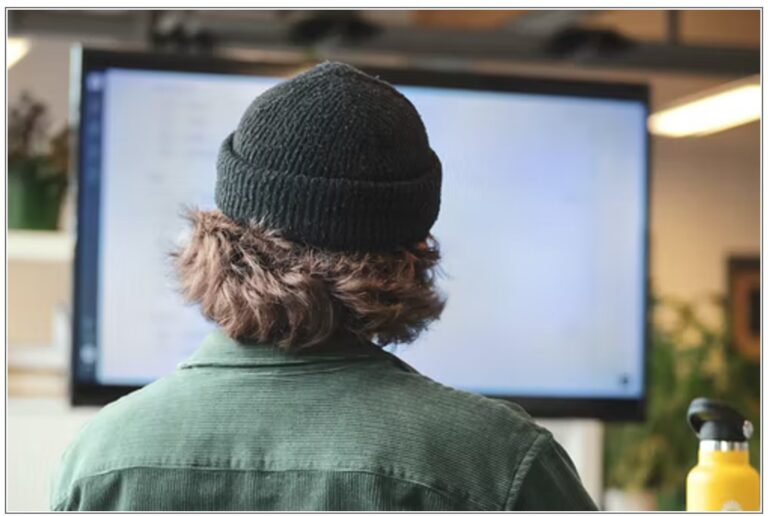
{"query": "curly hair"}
[(259, 286)]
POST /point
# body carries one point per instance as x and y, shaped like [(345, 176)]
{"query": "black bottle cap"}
[(715, 420)]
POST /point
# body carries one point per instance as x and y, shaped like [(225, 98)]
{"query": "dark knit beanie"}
[(333, 158)]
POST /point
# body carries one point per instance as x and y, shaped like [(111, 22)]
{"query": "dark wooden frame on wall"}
[(85, 317), (744, 304)]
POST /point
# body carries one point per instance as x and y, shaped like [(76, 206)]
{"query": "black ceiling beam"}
[(122, 25), (548, 22)]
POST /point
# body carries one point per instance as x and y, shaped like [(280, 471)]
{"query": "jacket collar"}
[(219, 350)]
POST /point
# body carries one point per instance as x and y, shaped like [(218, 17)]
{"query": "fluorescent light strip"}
[(735, 106)]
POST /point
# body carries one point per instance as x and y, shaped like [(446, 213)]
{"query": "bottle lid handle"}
[(718, 421)]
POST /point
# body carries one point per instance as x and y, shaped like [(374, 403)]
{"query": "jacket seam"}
[(261, 370), (444, 493), (523, 469)]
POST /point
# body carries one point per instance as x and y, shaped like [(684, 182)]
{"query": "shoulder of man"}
[(490, 449), (101, 445), (517, 464)]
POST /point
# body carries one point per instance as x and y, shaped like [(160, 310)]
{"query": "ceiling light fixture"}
[(16, 49), (710, 112)]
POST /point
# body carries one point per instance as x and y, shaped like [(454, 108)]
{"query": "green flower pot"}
[(35, 193)]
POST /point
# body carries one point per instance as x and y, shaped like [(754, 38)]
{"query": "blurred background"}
[(705, 191)]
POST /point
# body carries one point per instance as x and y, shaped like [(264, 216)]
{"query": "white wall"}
[(706, 205), (44, 72)]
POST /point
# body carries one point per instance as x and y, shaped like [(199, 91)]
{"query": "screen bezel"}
[(89, 60)]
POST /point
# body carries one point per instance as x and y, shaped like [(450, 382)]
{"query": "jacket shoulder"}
[(105, 443), (477, 446)]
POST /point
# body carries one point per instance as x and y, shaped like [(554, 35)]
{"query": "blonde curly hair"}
[(258, 286)]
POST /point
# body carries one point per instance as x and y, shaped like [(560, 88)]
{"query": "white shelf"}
[(32, 357), (40, 246)]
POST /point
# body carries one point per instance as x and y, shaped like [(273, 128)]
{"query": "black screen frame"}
[(86, 256)]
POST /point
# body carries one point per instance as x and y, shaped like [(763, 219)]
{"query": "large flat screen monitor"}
[(543, 226)]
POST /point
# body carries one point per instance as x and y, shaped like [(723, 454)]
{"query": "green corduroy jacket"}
[(244, 426)]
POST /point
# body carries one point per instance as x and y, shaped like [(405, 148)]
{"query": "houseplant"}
[(691, 356), (37, 166)]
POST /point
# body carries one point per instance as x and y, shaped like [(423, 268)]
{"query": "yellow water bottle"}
[(723, 480)]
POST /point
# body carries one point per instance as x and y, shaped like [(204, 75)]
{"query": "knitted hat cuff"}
[(332, 213)]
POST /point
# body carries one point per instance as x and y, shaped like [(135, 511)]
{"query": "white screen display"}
[(541, 228)]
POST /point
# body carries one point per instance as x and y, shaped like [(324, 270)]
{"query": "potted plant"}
[(37, 167), (690, 357)]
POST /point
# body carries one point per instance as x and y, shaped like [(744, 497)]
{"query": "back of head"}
[(327, 191)]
